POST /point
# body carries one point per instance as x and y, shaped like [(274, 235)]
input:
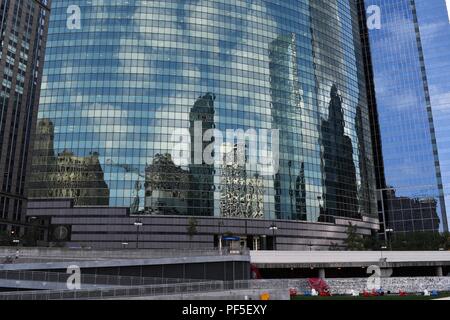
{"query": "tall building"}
[(23, 36), (126, 75), (434, 25), (409, 147)]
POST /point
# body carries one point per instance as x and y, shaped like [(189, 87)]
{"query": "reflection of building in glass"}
[(405, 141), (286, 100), (300, 194), (266, 67), (166, 187), (66, 175), (365, 196), (201, 119), (241, 195), (411, 214), (340, 194)]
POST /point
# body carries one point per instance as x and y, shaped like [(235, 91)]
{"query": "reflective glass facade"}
[(434, 23), (413, 194), (115, 90)]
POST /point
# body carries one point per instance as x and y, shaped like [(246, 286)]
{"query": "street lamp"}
[(15, 239), (220, 224), (138, 224), (274, 228), (388, 238), (382, 248)]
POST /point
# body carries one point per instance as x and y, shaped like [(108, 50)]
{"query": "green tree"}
[(334, 247), (417, 241), (31, 236), (5, 238), (372, 242), (354, 241), (445, 241), (192, 227)]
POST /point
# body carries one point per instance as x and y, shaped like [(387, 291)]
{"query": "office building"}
[(409, 124), (24, 26), (126, 75)]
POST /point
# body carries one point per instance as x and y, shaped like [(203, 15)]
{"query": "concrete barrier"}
[(344, 286)]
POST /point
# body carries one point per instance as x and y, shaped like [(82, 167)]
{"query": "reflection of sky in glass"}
[(403, 107), (131, 75), (435, 32)]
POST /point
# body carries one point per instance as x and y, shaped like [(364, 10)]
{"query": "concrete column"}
[(439, 272), (322, 273)]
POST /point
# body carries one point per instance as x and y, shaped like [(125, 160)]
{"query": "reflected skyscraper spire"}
[(339, 172), (286, 99), (201, 119)]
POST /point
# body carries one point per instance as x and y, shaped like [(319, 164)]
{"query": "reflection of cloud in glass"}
[(435, 33)]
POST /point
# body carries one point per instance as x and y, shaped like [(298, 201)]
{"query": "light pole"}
[(380, 195), (388, 238), (220, 224), (319, 199), (382, 248), (274, 228), (15, 238), (138, 224)]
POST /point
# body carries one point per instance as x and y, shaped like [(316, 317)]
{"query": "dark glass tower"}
[(411, 193), (136, 71), (23, 37)]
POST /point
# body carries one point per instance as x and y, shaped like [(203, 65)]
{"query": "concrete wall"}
[(344, 286), (234, 295)]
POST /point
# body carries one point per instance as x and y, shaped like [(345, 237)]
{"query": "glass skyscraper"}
[(411, 190), (123, 78), (434, 24)]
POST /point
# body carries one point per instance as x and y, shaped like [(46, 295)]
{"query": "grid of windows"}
[(115, 90), (412, 197), (23, 31), (434, 25)]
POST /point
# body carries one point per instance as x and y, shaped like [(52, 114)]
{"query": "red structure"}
[(320, 286)]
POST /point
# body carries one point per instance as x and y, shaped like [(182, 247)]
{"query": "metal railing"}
[(89, 279), (45, 254), (124, 292)]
